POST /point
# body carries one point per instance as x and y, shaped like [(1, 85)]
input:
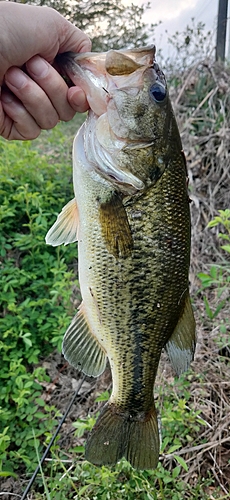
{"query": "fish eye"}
[(158, 92)]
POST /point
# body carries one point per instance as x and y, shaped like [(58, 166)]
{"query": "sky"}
[(175, 15)]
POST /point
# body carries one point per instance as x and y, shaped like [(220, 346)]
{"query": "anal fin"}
[(82, 349), (64, 230), (181, 345)]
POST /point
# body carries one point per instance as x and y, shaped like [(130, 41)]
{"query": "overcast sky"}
[(175, 15)]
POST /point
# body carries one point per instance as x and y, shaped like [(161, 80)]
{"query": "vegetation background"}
[(40, 294)]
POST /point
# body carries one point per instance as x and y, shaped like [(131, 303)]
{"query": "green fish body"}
[(131, 218)]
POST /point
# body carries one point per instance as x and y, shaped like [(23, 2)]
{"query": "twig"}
[(185, 84), (11, 494), (205, 447)]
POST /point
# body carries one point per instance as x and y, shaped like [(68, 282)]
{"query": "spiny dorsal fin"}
[(64, 230), (81, 348), (115, 227), (181, 345)]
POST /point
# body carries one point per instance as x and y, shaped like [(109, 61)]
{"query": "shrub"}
[(36, 288)]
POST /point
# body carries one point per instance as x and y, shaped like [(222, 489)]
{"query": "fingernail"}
[(77, 98), (16, 78), (38, 67)]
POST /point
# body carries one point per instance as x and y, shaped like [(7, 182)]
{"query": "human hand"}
[(30, 38)]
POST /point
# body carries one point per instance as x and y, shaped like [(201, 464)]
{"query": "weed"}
[(218, 278), (36, 288)]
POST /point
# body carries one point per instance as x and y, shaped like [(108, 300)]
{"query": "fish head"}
[(128, 97), (139, 104)]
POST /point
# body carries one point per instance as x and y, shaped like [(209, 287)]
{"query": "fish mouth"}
[(114, 62), (99, 74)]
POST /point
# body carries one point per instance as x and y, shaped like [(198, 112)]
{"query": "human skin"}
[(33, 95)]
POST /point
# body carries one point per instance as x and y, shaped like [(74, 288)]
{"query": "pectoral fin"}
[(181, 345), (81, 348), (115, 227), (64, 230)]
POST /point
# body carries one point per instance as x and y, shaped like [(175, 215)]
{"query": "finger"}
[(18, 123), (53, 85), (33, 98), (77, 99)]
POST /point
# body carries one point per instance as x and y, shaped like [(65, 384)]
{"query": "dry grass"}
[(202, 106)]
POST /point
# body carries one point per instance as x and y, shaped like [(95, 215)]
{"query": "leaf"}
[(215, 222), (181, 461), (79, 449), (224, 236), (8, 474), (165, 442), (103, 397), (176, 472), (173, 448), (218, 309), (83, 489), (208, 309), (226, 248)]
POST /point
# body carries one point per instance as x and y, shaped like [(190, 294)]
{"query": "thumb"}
[(72, 38)]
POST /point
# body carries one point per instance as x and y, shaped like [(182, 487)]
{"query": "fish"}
[(130, 215)]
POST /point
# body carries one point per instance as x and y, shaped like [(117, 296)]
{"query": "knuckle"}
[(67, 115), (49, 123)]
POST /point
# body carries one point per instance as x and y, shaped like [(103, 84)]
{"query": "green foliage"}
[(110, 25), (224, 220), (189, 46), (218, 279), (86, 481), (36, 288)]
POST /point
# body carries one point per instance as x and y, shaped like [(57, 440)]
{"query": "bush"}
[(36, 289)]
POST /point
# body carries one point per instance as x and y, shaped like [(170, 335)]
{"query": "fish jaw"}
[(100, 73)]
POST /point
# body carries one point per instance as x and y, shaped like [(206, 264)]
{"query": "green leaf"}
[(8, 474), (79, 449), (175, 472), (181, 461), (173, 448), (214, 222), (83, 489), (226, 248), (208, 309), (103, 397)]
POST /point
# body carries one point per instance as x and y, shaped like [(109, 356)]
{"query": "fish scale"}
[(131, 216)]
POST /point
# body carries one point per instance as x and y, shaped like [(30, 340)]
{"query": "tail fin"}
[(117, 434)]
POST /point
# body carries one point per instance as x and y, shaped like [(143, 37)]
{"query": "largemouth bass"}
[(130, 215)]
